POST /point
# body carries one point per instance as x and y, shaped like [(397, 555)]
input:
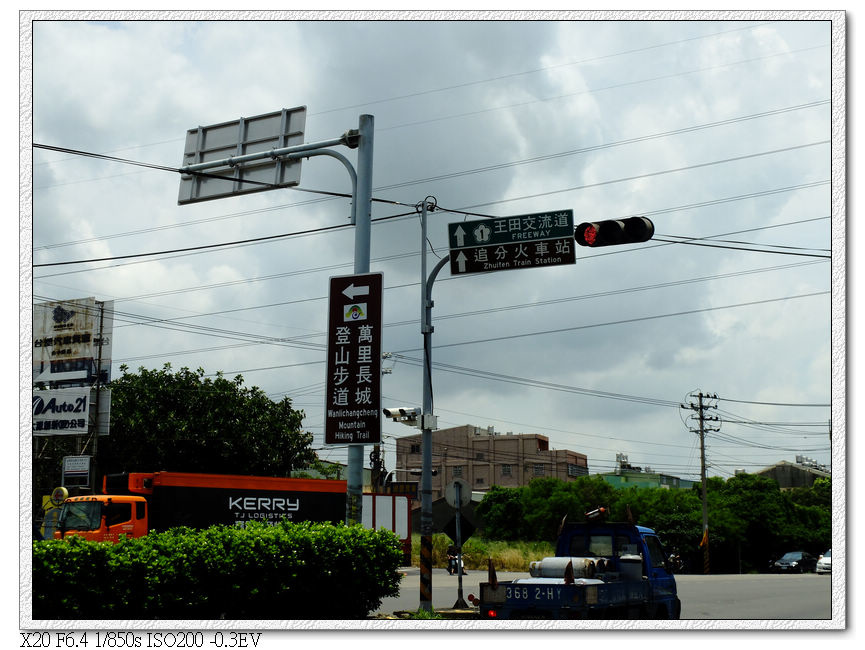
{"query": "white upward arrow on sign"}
[(460, 235), (352, 291), (461, 262)]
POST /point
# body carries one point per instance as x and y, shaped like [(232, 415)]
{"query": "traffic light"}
[(614, 231)]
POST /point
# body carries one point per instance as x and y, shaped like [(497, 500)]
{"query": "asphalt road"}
[(715, 597), (756, 597)]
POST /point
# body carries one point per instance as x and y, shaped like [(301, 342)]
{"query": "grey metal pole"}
[(426, 433), (460, 604), (363, 219), (426, 522), (261, 155)]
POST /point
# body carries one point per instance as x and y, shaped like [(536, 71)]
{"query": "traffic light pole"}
[(633, 230), (427, 419)]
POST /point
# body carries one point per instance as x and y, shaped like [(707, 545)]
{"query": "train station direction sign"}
[(517, 242)]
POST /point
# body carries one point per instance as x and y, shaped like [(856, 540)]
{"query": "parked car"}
[(824, 562), (795, 562)]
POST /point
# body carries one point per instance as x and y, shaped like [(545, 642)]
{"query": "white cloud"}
[(450, 97)]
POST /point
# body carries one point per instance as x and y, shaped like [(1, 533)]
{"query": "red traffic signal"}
[(632, 230)]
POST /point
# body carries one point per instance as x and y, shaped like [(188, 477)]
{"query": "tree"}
[(535, 511), (322, 469), (545, 502), (751, 522), (675, 515), (183, 421), (502, 513), (819, 494)]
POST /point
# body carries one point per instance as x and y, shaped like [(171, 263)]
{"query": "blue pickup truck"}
[(601, 571)]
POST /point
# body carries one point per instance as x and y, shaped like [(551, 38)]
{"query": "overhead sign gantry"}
[(264, 153)]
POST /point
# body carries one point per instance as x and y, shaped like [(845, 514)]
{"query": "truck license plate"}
[(533, 592)]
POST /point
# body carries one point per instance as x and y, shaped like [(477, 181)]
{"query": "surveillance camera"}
[(397, 413), (407, 415)]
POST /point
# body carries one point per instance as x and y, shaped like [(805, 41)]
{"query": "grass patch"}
[(506, 556)]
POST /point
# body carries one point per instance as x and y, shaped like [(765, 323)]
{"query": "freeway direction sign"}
[(353, 386), (523, 241)]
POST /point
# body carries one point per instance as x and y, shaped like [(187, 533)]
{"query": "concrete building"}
[(646, 479), (799, 474), (483, 458), (626, 475)]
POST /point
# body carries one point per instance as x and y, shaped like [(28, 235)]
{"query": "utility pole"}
[(700, 408), (428, 419)]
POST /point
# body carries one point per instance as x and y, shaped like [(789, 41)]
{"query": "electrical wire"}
[(400, 354), (625, 321), (512, 379), (327, 228), (599, 89), (644, 176), (478, 312), (511, 75), (742, 401), (692, 242), (476, 171)]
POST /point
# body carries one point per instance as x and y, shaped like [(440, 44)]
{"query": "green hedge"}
[(289, 571)]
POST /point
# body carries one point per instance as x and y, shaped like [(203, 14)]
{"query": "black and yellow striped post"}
[(426, 572), (704, 544)]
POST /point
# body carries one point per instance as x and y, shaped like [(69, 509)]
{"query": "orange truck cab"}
[(103, 518)]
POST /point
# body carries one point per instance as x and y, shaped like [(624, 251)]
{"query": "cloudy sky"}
[(720, 131)]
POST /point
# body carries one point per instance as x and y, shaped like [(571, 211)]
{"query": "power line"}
[(693, 242), (462, 211), (522, 73), (238, 242), (623, 321), (774, 428), (151, 321), (605, 145), (512, 379), (189, 249), (546, 385), (646, 175), (469, 172), (614, 86), (742, 401), (785, 53), (336, 194), (615, 252)]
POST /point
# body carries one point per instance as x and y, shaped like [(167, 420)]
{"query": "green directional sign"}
[(502, 243)]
